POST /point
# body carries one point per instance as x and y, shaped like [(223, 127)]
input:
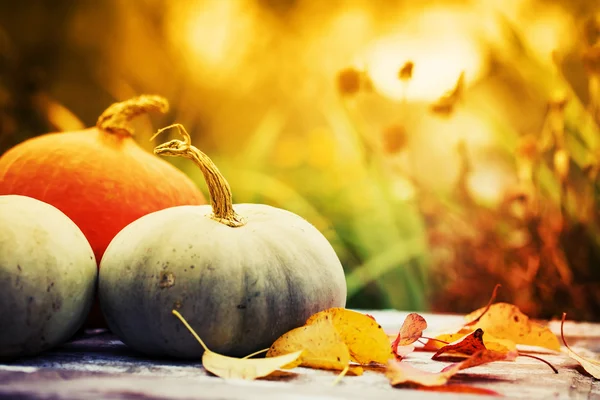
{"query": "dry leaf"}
[(240, 368), (400, 373), (506, 321), (466, 346), (366, 340), (410, 331), (322, 347), (246, 368), (481, 357), (590, 365), (491, 342)]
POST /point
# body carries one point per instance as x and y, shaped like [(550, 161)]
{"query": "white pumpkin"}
[(47, 276), (241, 275)]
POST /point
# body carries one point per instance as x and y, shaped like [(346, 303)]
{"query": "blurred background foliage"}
[(441, 146)]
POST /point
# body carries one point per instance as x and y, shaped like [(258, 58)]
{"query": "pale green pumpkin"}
[(47, 276), (242, 275)]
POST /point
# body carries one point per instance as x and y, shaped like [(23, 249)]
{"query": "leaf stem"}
[(176, 313), (434, 339), (539, 359), (255, 353), (492, 298)]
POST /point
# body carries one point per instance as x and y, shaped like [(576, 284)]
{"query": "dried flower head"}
[(591, 59), (558, 101), (445, 105), (527, 147), (591, 30), (394, 139), (561, 164), (348, 81), (405, 72)]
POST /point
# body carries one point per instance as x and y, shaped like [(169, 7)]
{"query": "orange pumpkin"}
[(99, 177)]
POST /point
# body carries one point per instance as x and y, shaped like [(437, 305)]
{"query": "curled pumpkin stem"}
[(218, 187), (115, 119)]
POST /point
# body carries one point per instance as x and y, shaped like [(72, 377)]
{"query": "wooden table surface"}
[(99, 366)]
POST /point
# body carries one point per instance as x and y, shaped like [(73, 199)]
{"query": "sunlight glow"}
[(440, 47), (212, 33), (488, 183)]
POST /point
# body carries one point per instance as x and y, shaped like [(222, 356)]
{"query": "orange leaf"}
[(401, 373), (410, 332), (481, 357), (490, 342), (506, 321), (465, 346)]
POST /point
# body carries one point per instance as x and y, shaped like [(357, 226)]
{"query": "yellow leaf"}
[(246, 368), (240, 368), (506, 321), (365, 338), (321, 344), (590, 365)]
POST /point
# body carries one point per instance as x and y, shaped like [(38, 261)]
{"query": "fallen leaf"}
[(491, 342), (321, 345), (400, 373), (506, 321), (410, 331), (245, 368), (590, 365), (479, 358), (465, 346), (240, 368), (366, 340)]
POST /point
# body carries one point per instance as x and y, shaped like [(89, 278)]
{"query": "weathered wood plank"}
[(101, 367)]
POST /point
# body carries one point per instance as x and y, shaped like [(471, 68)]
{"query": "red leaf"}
[(468, 345), (410, 332)]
